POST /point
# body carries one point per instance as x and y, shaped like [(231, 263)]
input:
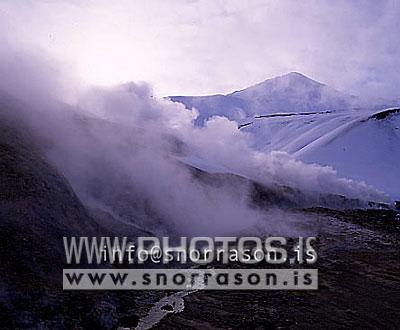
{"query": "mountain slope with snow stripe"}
[(364, 146), (367, 150)]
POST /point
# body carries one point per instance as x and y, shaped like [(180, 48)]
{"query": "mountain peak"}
[(295, 74), (298, 75), (294, 77), (289, 93)]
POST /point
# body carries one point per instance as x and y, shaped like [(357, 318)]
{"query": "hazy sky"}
[(211, 46)]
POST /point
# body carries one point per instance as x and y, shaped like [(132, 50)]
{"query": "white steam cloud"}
[(123, 151)]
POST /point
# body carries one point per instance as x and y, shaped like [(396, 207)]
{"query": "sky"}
[(215, 46)]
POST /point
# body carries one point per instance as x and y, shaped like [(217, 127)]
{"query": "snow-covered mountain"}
[(316, 124), (292, 92)]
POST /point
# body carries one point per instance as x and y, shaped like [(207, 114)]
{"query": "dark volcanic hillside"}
[(37, 208)]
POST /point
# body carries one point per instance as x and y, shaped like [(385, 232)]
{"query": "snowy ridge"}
[(364, 146)]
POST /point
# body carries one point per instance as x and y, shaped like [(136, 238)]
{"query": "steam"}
[(126, 152)]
